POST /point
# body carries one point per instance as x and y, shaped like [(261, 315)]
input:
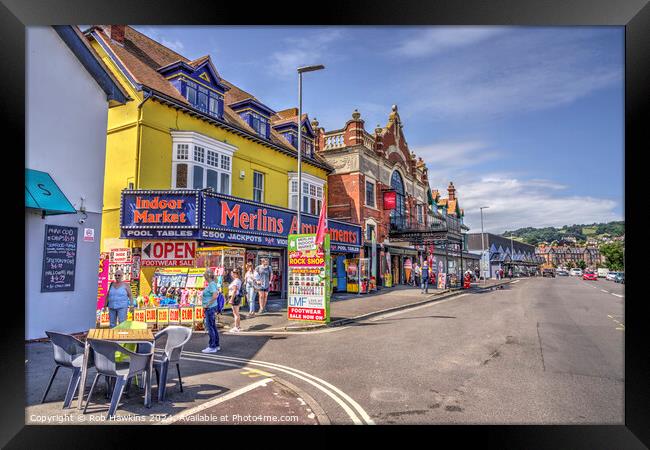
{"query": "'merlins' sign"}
[(159, 214), (226, 218)]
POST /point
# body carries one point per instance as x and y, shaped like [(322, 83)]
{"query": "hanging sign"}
[(309, 278), (59, 258), (390, 199)]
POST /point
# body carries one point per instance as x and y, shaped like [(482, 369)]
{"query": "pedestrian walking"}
[(425, 278), (510, 273), (119, 299), (209, 302), (235, 295), (264, 273), (249, 283), (417, 275), (477, 273)]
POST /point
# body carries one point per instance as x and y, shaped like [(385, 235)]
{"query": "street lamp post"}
[(301, 70), (482, 240)]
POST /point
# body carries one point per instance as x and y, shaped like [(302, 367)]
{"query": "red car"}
[(591, 276)]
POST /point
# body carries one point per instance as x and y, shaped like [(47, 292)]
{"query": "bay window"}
[(312, 193), (200, 162)]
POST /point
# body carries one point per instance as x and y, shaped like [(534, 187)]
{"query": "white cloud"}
[(296, 52), (532, 72), (176, 45), (441, 39), (516, 203)]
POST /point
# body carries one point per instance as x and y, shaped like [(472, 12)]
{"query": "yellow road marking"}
[(254, 373)]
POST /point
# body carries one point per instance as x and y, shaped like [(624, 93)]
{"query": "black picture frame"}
[(634, 15)]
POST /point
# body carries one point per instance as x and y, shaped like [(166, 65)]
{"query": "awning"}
[(401, 250), (42, 193)]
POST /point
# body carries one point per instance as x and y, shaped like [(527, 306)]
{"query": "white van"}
[(602, 272)]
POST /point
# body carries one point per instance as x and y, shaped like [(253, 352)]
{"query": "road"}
[(543, 351), (540, 351)]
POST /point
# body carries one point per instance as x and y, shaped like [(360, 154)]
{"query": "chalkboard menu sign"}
[(59, 258)]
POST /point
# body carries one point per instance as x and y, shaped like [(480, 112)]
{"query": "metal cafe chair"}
[(68, 353), (177, 337), (107, 366)]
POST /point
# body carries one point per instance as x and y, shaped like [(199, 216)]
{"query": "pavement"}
[(229, 388), (345, 307)]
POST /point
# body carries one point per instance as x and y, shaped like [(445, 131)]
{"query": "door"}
[(341, 280)]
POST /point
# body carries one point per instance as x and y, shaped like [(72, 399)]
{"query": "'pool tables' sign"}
[(59, 258)]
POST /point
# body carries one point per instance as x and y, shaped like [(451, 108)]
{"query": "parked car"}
[(589, 275), (548, 273), (602, 272), (562, 273), (611, 276), (575, 272), (620, 278)]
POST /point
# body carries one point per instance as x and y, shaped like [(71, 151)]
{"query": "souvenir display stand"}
[(352, 273)]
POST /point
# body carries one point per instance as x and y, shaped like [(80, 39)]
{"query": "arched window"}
[(398, 215)]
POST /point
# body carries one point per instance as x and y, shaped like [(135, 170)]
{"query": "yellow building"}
[(189, 129)]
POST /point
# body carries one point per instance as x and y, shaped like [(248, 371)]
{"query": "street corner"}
[(269, 401)]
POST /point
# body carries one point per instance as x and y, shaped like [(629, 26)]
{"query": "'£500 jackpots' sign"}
[(309, 278)]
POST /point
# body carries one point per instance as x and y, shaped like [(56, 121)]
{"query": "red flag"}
[(322, 223)]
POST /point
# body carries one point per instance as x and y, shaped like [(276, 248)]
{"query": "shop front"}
[(181, 233), (401, 263)]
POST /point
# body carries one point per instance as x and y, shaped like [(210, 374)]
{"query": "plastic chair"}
[(68, 353), (122, 371), (177, 337)]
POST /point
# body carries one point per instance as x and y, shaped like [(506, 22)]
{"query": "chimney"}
[(117, 33), (452, 191)]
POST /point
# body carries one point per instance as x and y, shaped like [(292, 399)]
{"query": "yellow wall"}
[(148, 126)]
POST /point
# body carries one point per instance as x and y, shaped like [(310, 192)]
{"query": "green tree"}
[(570, 265), (614, 254), (582, 264)]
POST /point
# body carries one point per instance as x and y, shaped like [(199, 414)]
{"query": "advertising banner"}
[(230, 219), (120, 255), (168, 253), (308, 278), (390, 199), (124, 267), (159, 214), (102, 280), (104, 319), (442, 280), (198, 313)]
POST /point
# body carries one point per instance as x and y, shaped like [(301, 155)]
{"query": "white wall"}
[(66, 119)]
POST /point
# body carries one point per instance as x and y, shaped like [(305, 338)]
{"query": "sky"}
[(528, 121)]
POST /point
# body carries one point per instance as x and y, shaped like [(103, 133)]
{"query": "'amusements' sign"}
[(59, 258)]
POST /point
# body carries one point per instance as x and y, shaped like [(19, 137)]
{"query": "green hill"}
[(581, 232)]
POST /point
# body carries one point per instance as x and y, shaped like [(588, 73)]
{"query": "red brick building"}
[(365, 166)]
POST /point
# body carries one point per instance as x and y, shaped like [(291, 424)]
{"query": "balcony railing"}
[(411, 224), (334, 141), (368, 141)]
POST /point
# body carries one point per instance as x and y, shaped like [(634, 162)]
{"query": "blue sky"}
[(526, 120)]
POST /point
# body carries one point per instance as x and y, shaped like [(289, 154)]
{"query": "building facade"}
[(69, 94), (191, 132), (381, 185), (502, 253), (564, 255)]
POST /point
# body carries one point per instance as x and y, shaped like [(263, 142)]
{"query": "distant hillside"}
[(579, 232)]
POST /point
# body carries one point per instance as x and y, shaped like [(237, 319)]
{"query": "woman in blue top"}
[(210, 293), (119, 299)]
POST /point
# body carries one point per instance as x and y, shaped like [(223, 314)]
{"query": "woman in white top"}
[(235, 295), (249, 282)]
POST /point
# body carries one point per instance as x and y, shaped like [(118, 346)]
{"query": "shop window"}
[(258, 187)]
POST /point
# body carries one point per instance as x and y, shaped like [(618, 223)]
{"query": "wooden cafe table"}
[(122, 336)]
